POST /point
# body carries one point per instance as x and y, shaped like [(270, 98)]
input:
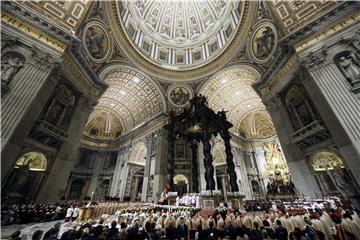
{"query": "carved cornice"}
[(277, 70), (94, 87), (35, 21), (319, 36), (316, 59), (78, 54)]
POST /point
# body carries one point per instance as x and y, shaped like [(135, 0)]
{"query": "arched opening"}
[(330, 170), (103, 190), (26, 177), (76, 189), (35, 161), (181, 184), (326, 160)]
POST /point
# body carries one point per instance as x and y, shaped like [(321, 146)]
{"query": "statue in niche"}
[(18, 181), (9, 67), (54, 113), (350, 67), (304, 113), (343, 183)]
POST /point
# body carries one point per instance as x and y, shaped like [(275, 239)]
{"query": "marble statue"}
[(9, 68), (350, 67)]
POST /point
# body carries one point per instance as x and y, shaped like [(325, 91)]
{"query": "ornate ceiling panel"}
[(231, 90), (67, 14), (181, 33), (103, 124), (132, 97), (293, 15), (257, 125), (180, 40)]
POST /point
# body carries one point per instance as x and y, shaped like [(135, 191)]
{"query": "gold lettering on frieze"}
[(32, 32)]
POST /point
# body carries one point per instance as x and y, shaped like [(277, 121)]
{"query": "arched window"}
[(35, 160)]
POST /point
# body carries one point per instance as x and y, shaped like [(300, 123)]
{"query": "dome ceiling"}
[(231, 90), (132, 97), (180, 34), (180, 40)]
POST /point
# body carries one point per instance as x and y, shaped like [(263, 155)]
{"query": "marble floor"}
[(26, 229)]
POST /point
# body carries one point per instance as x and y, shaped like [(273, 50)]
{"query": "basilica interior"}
[(94, 95)]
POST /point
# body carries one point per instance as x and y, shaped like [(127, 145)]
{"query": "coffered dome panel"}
[(231, 90), (103, 124), (132, 96), (257, 125), (180, 40)]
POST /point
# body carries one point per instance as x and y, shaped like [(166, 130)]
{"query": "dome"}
[(180, 33), (174, 38)]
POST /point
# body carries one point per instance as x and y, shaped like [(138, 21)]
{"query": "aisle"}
[(27, 229)]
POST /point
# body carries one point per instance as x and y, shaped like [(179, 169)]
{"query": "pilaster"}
[(55, 185)]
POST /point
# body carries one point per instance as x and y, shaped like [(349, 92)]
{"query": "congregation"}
[(30, 212), (138, 221)]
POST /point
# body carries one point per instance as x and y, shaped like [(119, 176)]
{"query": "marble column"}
[(346, 108), (116, 179), (55, 185), (135, 188), (123, 176), (304, 181), (208, 164), (241, 172), (29, 91), (201, 168), (194, 167), (223, 185), (261, 164), (229, 160), (160, 169), (149, 144), (99, 161)]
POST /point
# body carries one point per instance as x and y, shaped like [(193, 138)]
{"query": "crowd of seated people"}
[(31, 212), (154, 223)]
